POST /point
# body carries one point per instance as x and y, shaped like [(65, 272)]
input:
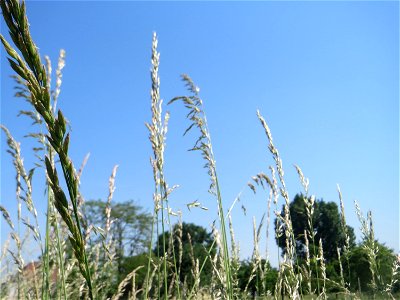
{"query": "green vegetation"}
[(105, 250), (129, 226)]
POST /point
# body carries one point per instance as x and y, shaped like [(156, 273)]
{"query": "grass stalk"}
[(31, 69), (322, 295), (46, 258), (203, 144), (345, 230), (293, 281), (158, 129), (61, 260)]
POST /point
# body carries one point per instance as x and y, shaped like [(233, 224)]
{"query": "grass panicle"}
[(203, 144)]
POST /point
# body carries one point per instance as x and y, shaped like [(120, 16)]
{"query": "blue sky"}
[(324, 75)]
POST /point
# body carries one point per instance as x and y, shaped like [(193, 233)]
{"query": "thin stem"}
[(146, 292), (45, 285), (164, 252), (224, 241), (177, 280), (61, 259)]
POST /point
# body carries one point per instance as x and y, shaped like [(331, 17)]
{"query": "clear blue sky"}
[(325, 75)]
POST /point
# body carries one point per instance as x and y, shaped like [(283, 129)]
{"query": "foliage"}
[(129, 263), (270, 277), (360, 271), (130, 225), (195, 244), (326, 226)]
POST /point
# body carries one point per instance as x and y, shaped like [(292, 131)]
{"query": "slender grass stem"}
[(46, 258), (163, 233), (227, 265), (61, 260), (150, 251)]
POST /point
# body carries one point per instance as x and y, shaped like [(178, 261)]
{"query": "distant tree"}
[(326, 225), (259, 283), (360, 268), (130, 227), (130, 263), (193, 237)]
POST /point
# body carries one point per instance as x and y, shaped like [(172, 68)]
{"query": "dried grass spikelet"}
[(23, 195), (305, 182), (256, 258), (49, 70), (394, 279), (24, 186), (346, 247), (342, 282), (152, 275), (171, 285), (203, 144), (276, 157), (195, 269), (197, 116), (158, 128), (263, 180), (4, 250), (124, 283), (343, 220), (321, 259), (309, 205), (216, 288), (179, 233), (290, 279), (82, 166), (274, 185), (369, 244), (111, 190), (218, 278), (308, 263), (60, 66), (18, 261)]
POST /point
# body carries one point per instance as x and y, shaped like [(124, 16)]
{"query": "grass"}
[(86, 272)]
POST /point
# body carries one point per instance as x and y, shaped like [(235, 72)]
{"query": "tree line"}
[(131, 228)]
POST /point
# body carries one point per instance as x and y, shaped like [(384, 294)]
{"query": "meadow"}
[(83, 260)]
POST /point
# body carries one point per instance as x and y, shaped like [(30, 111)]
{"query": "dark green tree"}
[(130, 263), (260, 283), (360, 268), (196, 243), (326, 225)]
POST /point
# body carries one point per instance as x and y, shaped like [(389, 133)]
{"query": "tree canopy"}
[(326, 226), (130, 225), (360, 272), (195, 243)]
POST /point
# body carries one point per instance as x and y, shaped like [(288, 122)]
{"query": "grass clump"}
[(181, 263)]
